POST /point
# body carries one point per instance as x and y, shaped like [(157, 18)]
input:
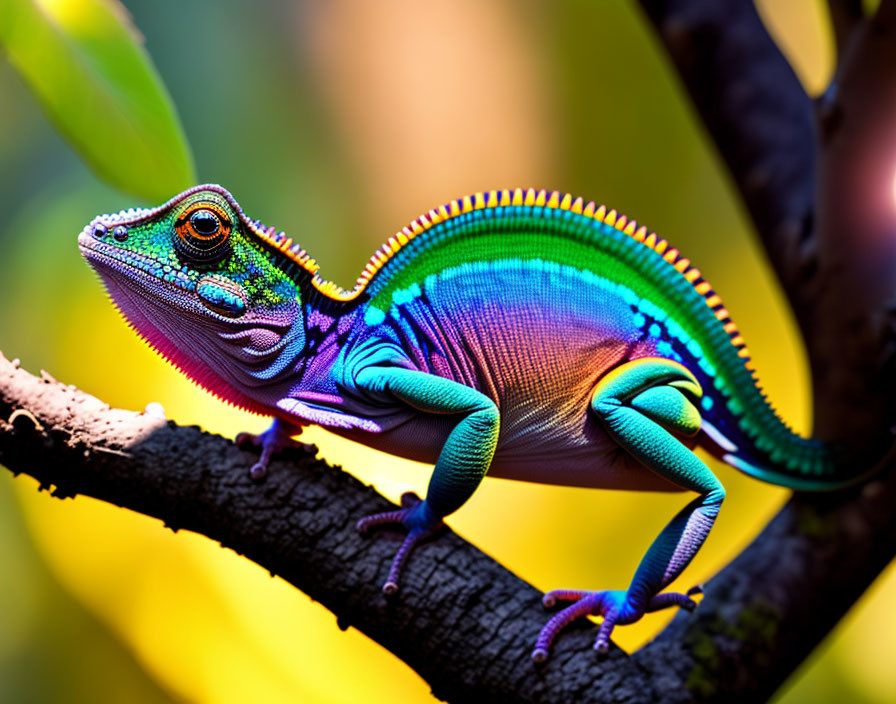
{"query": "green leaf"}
[(86, 64)]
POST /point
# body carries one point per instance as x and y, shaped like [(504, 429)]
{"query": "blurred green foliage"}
[(85, 63)]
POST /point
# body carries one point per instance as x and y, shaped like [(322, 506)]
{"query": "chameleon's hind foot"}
[(272, 441), (613, 606), (420, 522)]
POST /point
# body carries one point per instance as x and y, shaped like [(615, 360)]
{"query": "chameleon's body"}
[(519, 333)]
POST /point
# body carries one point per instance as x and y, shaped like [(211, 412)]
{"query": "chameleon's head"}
[(216, 293)]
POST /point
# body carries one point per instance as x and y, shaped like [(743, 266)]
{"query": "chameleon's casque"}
[(524, 334)]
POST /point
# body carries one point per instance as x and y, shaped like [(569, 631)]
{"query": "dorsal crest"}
[(545, 199)]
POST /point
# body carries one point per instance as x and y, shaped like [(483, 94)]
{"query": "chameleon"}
[(516, 333)]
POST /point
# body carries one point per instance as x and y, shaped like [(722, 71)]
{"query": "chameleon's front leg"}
[(640, 402), (273, 440), (462, 463)]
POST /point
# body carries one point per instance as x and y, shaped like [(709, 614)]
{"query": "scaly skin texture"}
[(521, 334)]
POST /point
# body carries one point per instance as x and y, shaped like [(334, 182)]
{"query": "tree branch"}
[(830, 234), (760, 119), (463, 622)]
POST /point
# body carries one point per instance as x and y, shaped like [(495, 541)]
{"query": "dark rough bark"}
[(465, 623)]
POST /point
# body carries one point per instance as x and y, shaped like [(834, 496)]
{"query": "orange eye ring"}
[(203, 232)]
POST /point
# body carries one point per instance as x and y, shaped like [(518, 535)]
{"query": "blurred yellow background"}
[(339, 122)]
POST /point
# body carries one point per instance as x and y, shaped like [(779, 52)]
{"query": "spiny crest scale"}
[(545, 199)]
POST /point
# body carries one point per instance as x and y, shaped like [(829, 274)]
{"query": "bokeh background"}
[(339, 122)]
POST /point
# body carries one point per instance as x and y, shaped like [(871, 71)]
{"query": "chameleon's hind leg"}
[(642, 403), (273, 440), (461, 465)]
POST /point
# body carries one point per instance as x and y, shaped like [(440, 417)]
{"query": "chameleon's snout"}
[(94, 231), (111, 225), (99, 231)]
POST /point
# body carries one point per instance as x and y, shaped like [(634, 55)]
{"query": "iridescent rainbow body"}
[(523, 334)]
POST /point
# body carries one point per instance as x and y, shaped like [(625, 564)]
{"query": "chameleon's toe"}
[(613, 606), (669, 599), (420, 522), (272, 441), (606, 604)]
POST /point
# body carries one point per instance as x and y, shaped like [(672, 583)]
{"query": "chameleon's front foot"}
[(273, 440), (421, 523), (613, 606)]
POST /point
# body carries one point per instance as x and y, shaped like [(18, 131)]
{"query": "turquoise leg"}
[(461, 465), (644, 404)]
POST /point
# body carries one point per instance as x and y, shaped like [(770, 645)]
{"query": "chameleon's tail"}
[(757, 442)]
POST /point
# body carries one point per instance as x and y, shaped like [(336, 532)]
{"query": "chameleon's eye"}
[(204, 222), (203, 232)]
